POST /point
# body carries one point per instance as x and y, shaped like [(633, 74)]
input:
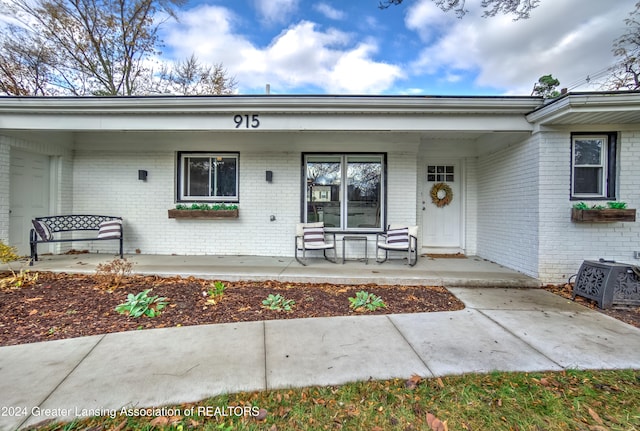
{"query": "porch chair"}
[(398, 238), (312, 237)]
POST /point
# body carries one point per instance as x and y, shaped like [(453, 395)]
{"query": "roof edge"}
[(583, 101), (274, 103)]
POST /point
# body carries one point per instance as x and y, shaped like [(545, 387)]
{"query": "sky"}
[(354, 47)]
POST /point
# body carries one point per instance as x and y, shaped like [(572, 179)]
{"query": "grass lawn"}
[(571, 400)]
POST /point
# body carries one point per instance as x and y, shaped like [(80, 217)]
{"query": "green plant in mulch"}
[(365, 301), (278, 303), (215, 292), (142, 304)]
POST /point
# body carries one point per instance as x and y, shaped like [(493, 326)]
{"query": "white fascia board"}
[(557, 110), (284, 104), (287, 113), (268, 122)]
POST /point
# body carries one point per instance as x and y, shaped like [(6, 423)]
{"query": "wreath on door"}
[(441, 194)]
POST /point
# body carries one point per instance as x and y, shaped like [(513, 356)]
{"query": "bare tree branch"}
[(190, 77), (625, 74), (99, 45), (521, 9)]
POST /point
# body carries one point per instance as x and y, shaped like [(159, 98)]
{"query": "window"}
[(208, 177), (440, 173), (345, 191), (593, 159)]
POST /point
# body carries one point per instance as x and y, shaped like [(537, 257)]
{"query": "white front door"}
[(442, 225), (29, 195)]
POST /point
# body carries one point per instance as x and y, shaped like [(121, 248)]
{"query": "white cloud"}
[(355, 72), (207, 32), (329, 11), (570, 39), (301, 56), (276, 11), (426, 19)]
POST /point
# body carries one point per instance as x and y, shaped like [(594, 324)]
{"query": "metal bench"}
[(107, 228)]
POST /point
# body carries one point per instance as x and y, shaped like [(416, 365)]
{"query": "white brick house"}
[(356, 162)]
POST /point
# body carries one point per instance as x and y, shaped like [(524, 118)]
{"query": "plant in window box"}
[(204, 211), (613, 212)]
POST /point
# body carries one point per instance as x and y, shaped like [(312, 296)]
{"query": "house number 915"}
[(249, 121)]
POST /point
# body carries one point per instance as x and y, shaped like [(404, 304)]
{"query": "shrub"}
[(21, 279), (111, 274), (15, 280), (7, 253)]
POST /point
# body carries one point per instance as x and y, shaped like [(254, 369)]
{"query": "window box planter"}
[(203, 214), (607, 215)]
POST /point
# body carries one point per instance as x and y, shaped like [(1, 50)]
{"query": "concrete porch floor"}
[(470, 271)]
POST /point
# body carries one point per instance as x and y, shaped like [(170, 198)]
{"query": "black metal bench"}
[(108, 228)]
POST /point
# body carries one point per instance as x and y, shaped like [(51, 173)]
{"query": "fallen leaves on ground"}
[(627, 314), (436, 424)]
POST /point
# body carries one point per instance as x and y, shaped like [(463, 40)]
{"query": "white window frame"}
[(604, 165), (183, 177), (344, 203)]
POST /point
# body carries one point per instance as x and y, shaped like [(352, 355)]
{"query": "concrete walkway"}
[(501, 329)]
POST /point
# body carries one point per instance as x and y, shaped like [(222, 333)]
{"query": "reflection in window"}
[(324, 177), (589, 166), (352, 204), (208, 177), (364, 178)]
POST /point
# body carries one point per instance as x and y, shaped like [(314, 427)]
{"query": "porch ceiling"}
[(478, 141)]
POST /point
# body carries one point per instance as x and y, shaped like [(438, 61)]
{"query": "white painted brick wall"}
[(402, 183), (101, 177), (5, 154), (564, 244), (508, 206), (471, 205)]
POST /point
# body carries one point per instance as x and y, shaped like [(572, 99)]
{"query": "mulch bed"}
[(61, 306)]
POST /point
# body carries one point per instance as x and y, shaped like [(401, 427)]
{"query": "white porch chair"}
[(312, 237), (398, 238)]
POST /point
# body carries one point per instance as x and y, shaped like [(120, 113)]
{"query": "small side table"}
[(355, 238)]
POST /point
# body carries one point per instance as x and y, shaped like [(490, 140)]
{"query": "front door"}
[(29, 195), (442, 207)]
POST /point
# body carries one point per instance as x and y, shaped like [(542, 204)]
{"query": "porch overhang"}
[(275, 113)]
